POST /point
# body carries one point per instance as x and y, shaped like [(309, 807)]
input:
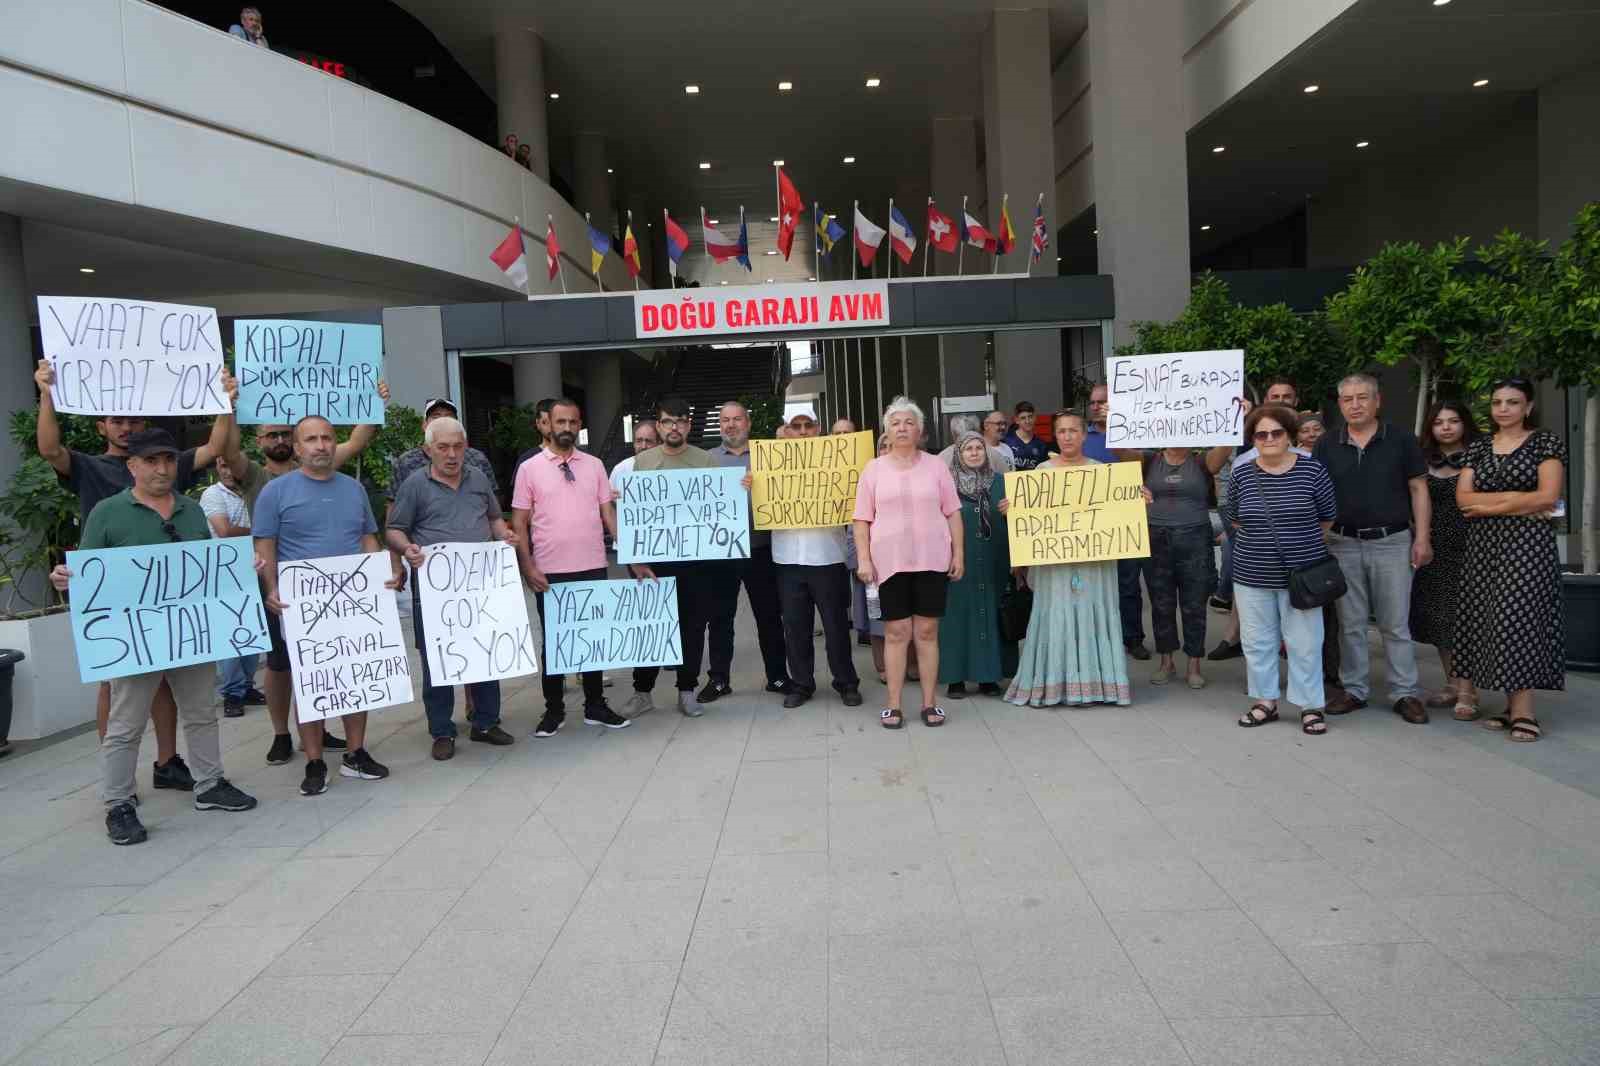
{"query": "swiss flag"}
[(790, 208), (941, 230), (552, 250)]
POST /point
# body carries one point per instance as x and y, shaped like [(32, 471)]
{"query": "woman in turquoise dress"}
[(1073, 654), (970, 648)]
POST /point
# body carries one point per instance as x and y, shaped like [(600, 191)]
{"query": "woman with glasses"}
[(1279, 507), (1509, 632), (1446, 434)]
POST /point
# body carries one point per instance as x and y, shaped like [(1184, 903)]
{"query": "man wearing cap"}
[(407, 463), (151, 513)]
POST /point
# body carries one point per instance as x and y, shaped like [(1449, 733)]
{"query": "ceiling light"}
[(1058, 259), (1362, 144), (712, 221), (1206, 227), (1440, 3), (873, 83), (811, 279), (555, 96), (705, 166), (849, 159), (1097, 233), (86, 270), (770, 251), (785, 86), (1219, 149), (609, 170), (777, 162), (1311, 88), (1480, 83), (692, 90), (774, 218), (724, 282)]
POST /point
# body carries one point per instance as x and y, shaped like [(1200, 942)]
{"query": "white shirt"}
[(809, 547), (219, 499), (624, 467)]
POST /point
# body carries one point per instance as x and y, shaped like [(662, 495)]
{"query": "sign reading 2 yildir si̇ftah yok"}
[(672, 516), (474, 615), (611, 625), (132, 357), (806, 482), (138, 610), (1076, 514), (346, 652), (289, 369), (1177, 400), (763, 309)]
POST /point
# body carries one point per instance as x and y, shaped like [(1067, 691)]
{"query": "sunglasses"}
[(1269, 434), (172, 532), (566, 472)]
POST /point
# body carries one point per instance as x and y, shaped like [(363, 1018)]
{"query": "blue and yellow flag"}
[(599, 248), (828, 229)]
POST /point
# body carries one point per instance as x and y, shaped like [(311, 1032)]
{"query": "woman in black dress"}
[(1509, 630), (1447, 433)]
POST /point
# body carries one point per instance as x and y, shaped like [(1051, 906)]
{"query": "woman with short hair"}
[(973, 650), (1447, 433)]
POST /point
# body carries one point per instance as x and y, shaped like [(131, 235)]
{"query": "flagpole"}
[(635, 246), (1038, 210), (890, 220), (816, 240), (961, 245), (589, 236), (777, 197), (1003, 197), (927, 245), (550, 222), (855, 235)]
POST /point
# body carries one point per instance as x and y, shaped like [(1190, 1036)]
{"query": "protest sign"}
[(290, 369), (131, 357), (474, 616), (1076, 514), (806, 482), (1178, 400), (611, 625), (346, 652), (668, 516), (138, 610)]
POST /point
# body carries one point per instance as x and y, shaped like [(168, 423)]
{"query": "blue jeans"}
[(1265, 620), (234, 676), (1378, 575), (440, 701), (1225, 581)]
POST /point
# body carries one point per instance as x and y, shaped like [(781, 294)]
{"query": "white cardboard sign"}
[(474, 615), (132, 357), (1175, 400), (346, 650)]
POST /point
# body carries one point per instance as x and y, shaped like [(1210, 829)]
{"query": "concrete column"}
[(535, 376), (1141, 173), (1569, 151), (16, 345), (602, 387), (1020, 160), (590, 182), (519, 92), (954, 152)]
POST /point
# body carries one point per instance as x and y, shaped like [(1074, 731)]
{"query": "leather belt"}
[(1370, 532)]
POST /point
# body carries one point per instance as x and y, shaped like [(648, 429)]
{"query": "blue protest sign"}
[(669, 516), (138, 610), (289, 369), (611, 625)]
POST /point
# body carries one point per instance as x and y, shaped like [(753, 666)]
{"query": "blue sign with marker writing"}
[(611, 625), (671, 516), (289, 369), (138, 610)]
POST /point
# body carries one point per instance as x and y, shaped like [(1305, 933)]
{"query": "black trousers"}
[(593, 682), (701, 587), (1129, 599), (760, 580), (826, 590), (1180, 574)]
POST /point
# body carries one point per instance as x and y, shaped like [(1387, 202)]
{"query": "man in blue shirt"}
[(1027, 450)]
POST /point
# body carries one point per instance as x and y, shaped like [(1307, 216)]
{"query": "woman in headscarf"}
[(970, 648)]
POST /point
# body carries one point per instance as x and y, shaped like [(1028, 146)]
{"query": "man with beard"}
[(560, 508), (276, 442)]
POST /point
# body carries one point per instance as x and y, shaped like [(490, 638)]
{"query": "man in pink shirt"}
[(561, 508)]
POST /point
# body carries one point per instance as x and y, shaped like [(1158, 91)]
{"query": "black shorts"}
[(278, 654), (917, 592)]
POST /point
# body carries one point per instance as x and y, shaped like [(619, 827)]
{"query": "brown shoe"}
[(444, 748), (1411, 709), (1344, 703)]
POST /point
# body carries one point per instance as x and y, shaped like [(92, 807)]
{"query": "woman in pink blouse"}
[(909, 543)]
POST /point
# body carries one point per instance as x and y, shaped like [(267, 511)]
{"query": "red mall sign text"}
[(761, 309)]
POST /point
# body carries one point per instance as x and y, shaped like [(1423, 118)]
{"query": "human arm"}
[(862, 533), (1217, 458), (224, 427), (520, 518), (1484, 504), (267, 567), (47, 435), (1421, 523), (361, 436), (958, 546), (400, 544)]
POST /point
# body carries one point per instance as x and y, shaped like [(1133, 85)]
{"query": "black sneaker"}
[(1138, 650), (1219, 604), (282, 750), (232, 708), (956, 690), (123, 825), (331, 742), (493, 735), (222, 796), (316, 782), (174, 773), (715, 690), (795, 697), (780, 687), (551, 723), (850, 697), (254, 697), (604, 715), (1228, 649), (360, 764)]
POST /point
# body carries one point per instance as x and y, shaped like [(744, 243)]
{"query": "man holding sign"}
[(149, 513)]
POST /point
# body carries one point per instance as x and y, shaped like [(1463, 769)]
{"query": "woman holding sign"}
[(974, 651)]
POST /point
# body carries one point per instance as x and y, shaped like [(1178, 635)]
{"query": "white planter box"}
[(46, 694)]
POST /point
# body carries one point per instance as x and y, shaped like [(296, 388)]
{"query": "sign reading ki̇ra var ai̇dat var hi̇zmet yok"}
[(1076, 514), (133, 358), (1175, 400), (760, 309), (671, 516)]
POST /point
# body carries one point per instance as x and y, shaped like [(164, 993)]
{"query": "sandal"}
[(1313, 724), (1465, 712), (933, 716), (890, 718), (1442, 698), (1524, 730), (1250, 719), (1497, 723)]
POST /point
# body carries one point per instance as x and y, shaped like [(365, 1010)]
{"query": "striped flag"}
[(1041, 237)]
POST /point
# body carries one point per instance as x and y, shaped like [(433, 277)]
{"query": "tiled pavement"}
[(1147, 885)]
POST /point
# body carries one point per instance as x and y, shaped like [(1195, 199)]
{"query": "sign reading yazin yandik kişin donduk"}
[(474, 615), (132, 357), (806, 483), (346, 652), (1176, 400), (1076, 514), (777, 309), (611, 625), (669, 516), (142, 609), (290, 369)]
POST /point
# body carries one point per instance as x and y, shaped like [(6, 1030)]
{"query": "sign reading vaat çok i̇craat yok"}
[(1175, 400), (806, 482), (290, 369), (474, 615), (767, 309), (340, 624), (1076, 514), (131, 357), (669, 516)]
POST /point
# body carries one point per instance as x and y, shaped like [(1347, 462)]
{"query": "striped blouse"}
[(1301, 499)]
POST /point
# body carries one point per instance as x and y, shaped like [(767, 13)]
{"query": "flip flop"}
[(890, 718), (933, 716)]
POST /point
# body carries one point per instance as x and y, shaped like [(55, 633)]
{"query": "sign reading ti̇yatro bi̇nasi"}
[(763, 309)]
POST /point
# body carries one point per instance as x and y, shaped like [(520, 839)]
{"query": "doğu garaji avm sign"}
[(760, 309)]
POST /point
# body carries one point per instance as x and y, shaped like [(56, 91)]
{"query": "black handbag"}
[(1016, 606), (1313, 585)]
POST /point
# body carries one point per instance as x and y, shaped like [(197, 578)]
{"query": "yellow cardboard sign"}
[(806, 482), (1077, 514)]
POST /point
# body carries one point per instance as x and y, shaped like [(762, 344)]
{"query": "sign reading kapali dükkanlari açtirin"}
[(346, 652), (131, 357), (611, 625), (289, 369), (474, 615), (669, 516), (763, 309), (1175, 400), (806, 482), (137, 610)]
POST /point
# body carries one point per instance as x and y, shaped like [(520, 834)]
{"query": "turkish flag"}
[(552, 250), (790, 208), (941, 230)]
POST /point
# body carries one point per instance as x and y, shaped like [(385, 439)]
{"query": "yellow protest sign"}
[(806, 482), (1076, 514)]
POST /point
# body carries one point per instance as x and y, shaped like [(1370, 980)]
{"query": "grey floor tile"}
[(457, 982), (1305, 1041), (1349, 975), (522, 890), (366, 933), (122, 1045), (89, 962), (420, 1049), (296, 893), (1088, 1027), (1023, 954), (211, 880), (379, 828), (1507, 945), (1172, 885), (1479, 1031), (656, 851), (1359, 919), (636, 921), (27, 1022), (782, 888), (280, 1020), (605, 1015), (1572, 1023)]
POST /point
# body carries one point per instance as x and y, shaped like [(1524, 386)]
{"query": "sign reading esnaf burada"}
[(760, 309)]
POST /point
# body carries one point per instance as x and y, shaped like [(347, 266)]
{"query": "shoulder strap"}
[(1262, 493)]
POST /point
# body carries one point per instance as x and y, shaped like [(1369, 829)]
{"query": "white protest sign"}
[(474, 615), (132, 357), (346, 651), (1175, 400)]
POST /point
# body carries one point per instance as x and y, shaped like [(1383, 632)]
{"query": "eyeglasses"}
[(1269, 434), (670, 421), (566, 471), (277, 434), (172, 532)]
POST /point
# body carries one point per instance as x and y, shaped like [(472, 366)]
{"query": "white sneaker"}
[(688, 707), (639, 703)]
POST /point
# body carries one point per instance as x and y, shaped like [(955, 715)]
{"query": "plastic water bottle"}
[(874, 605)]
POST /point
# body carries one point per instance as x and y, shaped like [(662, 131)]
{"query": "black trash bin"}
[(9, 658)]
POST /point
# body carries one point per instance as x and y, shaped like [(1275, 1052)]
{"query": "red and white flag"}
[(941, 230), (552, 250), (790, 208), (868, 237), (512, 259), (976, 235)]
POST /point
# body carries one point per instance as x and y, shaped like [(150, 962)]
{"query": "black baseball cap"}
[(149, 442), (439, 401)]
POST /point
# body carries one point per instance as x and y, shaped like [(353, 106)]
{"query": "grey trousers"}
[(1378, 573), (130, 713)]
